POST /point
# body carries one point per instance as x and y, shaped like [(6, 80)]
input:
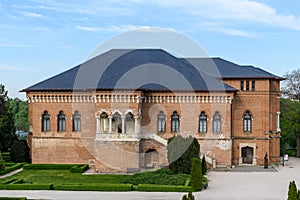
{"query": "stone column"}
[(137, 125), (110, 124), (98, 124), (123, 124), (278, 122)]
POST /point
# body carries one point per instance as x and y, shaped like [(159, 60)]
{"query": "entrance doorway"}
[(151, 158), (247, 155)]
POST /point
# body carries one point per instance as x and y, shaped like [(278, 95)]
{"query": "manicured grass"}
[(64, 176)]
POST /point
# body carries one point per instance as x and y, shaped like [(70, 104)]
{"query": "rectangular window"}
[(242, 85), (247, 85), (253, 85)]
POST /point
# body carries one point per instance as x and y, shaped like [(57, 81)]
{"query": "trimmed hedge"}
[(27, 186), (79, 168), (49, 166), (13, 198), (94, 187), (163, 188), (12, 168), (6, 156)]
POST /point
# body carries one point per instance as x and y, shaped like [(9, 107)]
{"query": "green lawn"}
[(64, 176)]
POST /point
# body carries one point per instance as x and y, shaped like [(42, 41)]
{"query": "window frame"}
[(202, 124), (247, 122), (46, 121), (76, 122), (217, 125), (161, 122), (175, 122), (61, 122)]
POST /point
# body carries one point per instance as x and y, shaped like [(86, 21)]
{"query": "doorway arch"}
[(151, 158)]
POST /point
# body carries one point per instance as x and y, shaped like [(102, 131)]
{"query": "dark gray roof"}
[(220, 68), (148, 69)]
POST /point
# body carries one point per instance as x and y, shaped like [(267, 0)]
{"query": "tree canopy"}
[(291, 86), (7, 129), (180, 153), (19, 110)]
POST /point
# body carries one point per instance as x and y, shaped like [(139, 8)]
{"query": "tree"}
[(292, 193), (290, 123), (291, 86), (190, 196), (180, 153), (19, 110), (20, 151), (2, 164), (196, 174), (204, 167), (7, 129)]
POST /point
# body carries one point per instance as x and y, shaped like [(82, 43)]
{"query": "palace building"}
[(117, 110)]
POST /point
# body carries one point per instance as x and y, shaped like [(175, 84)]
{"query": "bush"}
[(196, 174), (49, 166), (293, 192), (160, 177), (79, 168), (204, 166), (94, 187), (189, 197), (163, 188), (12, 168), (2, 165), (20, 151), (27, 186), (180, 153), (13, 198), (6, 156)]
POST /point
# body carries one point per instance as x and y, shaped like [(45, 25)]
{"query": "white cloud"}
[(12, 68), (88, 28), (42, 28), (16, 45), (234, 10), (31, 14), (118, 28)]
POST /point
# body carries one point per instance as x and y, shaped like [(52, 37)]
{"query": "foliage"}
[(7, 129), (196, 174), (190, 196), (160, 177), (290, 123), (49, 166), (79, 168), (6, 156), (2, 164), (45, 186), (13, 198), (163, 188), (20, 151), (19, 110), (291, 86), (204, 166), (293, 192), (94, 187), (180, 153), (11, 168)]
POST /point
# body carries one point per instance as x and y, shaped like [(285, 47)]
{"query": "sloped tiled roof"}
[(148, 69)]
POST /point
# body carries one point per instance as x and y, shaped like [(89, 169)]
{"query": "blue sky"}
[(41, 38)]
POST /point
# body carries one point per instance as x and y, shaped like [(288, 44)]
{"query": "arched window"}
[(217, 122), (61, 122), (117, 123), (247, 122), (46, 121), (202, 123), (76, 122), (161, 122), (175, 122), (104, 127), (129, 123)]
